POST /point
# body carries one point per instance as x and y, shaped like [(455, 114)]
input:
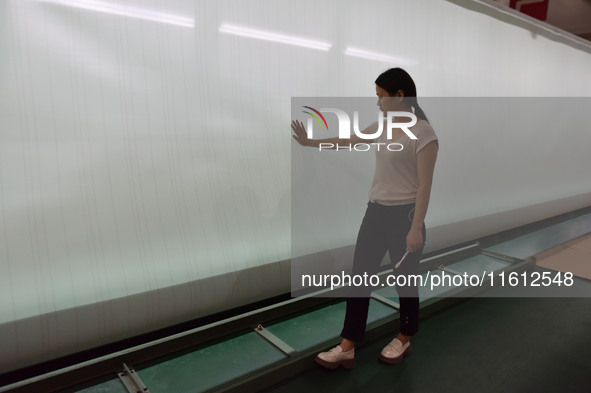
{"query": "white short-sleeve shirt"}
[(396, 179)]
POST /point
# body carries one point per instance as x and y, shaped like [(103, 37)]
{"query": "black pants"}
[(384, 228)]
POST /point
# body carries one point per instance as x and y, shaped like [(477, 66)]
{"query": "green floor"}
[(481, 345)]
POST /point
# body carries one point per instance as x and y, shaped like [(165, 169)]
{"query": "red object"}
[(535, 9)]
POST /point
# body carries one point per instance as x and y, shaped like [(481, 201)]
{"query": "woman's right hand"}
[(300, 134)]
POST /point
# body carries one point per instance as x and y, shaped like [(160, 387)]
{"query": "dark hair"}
[(397, 79)]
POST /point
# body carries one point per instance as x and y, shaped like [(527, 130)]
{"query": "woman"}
[(394, 219)]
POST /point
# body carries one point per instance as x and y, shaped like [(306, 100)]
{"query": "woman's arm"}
[(301, 136), (425, 167)]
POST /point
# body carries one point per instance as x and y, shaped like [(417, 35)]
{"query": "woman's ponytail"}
[(396, 79), (412, 102), (420, 113)]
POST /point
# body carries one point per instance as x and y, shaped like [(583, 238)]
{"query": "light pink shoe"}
[(336, 357), (394, 352)]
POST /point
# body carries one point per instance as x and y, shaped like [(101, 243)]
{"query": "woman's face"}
[(385, 101)]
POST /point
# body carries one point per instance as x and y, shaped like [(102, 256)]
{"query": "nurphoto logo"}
[(344, 122)]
